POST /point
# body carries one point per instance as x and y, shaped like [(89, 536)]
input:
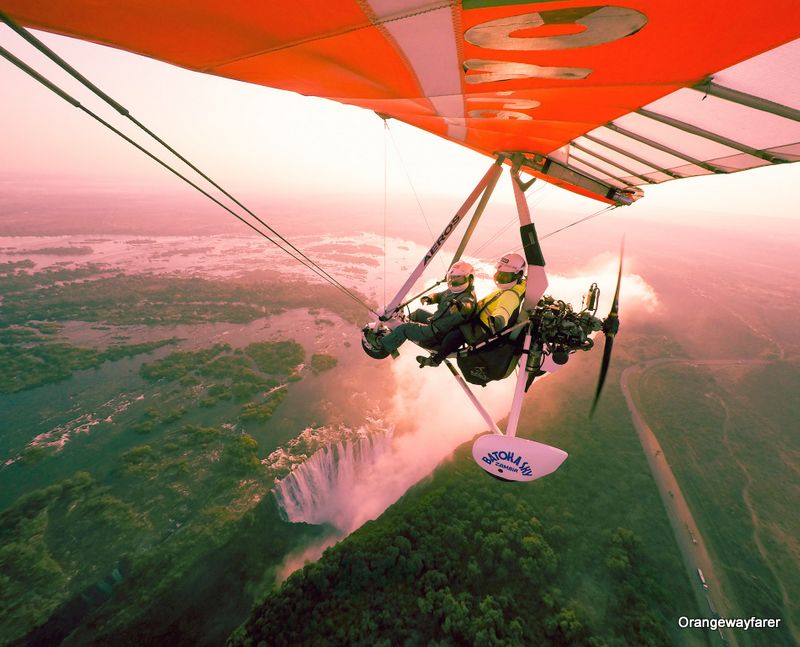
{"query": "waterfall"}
[(320, 489)]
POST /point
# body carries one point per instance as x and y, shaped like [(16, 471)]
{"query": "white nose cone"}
[(516, 459)]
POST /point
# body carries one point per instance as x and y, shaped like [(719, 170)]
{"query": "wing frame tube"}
[(519, 388), (707, 134), (747, 100), (664, 149), (607, 161), (478, 212), (630, 155), (494, 170), (487, 418), (537, 278), (579, 181), (592, 166)]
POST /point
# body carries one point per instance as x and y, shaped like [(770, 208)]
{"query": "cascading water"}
[(320, 489)]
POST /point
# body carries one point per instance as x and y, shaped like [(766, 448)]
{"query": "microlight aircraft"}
[(597, 98), (538, 342)]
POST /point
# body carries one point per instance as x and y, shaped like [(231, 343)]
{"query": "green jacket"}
[(452, 311)]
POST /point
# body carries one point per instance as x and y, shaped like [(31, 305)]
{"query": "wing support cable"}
[(71, 100), (533, 251), (44, 49), (386, 118), (610, 207), (419, 294), (539, 192), (599, 212), (385, 197)]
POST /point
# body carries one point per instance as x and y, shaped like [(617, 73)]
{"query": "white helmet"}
[(459, 276), (509, 271)]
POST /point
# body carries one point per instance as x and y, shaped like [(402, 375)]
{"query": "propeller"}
[(610, 328)]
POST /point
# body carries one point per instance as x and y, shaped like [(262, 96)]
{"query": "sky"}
[(276, 146)]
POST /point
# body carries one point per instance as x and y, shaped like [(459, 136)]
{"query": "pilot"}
[(494, 312), (455, 305)]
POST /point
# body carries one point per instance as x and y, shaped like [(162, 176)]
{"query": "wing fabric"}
[(600, 98), (723, 124)]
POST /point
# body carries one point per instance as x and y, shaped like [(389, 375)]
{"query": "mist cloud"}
[(637, 297)]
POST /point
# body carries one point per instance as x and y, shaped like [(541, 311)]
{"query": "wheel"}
[(374, 351)]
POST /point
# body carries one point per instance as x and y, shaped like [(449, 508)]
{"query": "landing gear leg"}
[(507, 457)]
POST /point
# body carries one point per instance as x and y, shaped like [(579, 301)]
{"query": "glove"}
[(458, 307), (498, 322), (426, 301)]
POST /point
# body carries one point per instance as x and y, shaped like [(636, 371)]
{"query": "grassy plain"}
[(730, 439)]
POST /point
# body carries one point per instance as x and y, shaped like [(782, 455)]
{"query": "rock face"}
[(319, 490)]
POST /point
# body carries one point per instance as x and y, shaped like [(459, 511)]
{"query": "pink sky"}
[(270, 144)]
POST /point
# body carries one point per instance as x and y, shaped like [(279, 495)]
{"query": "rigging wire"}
[(541, 191), (295, 253), (610, 207), (44, 49), (413, 189), (299, 256), (385, 199)]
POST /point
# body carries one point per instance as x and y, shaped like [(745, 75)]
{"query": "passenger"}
[(495, 311), (456, 305)]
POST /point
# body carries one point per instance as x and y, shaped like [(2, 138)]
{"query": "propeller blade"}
[(603, 371), (610, 328), (615, 304)]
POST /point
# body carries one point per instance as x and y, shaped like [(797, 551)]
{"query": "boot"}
[(433, 360), (373, 339)]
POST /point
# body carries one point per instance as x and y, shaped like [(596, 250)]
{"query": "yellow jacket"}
[(500, 302)]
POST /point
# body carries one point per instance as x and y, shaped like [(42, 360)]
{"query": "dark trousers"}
[(450, 344)]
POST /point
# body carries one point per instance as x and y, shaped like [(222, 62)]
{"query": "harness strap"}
[(478, 314), (491, 340), (491, 301), (435, 317)]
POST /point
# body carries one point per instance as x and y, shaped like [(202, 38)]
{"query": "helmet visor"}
[(501, 278), (457, 281)]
